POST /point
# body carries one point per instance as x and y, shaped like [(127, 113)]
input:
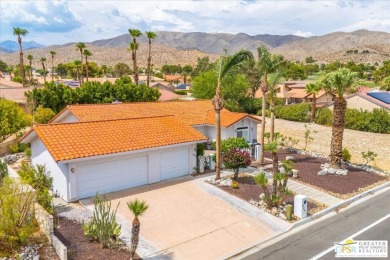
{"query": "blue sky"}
[(60, 21)]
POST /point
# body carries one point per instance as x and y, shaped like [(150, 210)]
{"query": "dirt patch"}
[(79, 247), (338, 185)]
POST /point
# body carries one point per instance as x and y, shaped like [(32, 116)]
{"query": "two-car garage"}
[(121, 172)]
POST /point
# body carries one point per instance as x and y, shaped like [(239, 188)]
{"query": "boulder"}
[(227, 182), (281, 170), (331, 170), (283, 216), (325, 166), (342, 172), (322, 172), (274, 211), (290, 158), (262, 196)]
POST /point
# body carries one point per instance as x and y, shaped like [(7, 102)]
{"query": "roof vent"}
[(117, 101)]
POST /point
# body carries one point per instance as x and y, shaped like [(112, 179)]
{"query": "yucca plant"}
[(138, 208), (103, 228)]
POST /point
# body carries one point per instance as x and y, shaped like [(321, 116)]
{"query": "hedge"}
[(377, 121)]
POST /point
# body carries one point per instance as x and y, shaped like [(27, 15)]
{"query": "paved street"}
[(317, 240)]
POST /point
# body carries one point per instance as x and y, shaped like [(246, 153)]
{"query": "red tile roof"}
[(67, 141)]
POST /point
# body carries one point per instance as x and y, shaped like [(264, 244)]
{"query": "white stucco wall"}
[(357, 102), (59, 172), (252, 127), (66, 117)]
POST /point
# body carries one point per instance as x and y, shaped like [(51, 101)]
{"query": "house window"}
[(243, 132)]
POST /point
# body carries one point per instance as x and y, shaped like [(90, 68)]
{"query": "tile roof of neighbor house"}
[(372, 99), (297, 93), (172, 77), (68, 141), (320, 94), (15, 94), (167, 95), (197, 112)]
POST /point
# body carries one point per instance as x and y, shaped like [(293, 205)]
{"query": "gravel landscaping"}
[(342, 186)]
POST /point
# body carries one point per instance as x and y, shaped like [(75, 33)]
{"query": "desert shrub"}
[(232, 105), (14, 148), (346, 155), (181, 92), (377, 121), (41, 181), (369, 156), (43, 115), (298, 112), (380, 121), (16, 216), (324, 116), (250, 105), (235, 159), (308, 135), (17, 79), (27, 152), (103, 226)]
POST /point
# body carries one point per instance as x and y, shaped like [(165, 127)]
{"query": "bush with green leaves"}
[(3, 169), (41, 181), (233, 142), (297, 112), (235, 159), (308, 135), (43, 115), (324, 116), (200, 149), (369, 156), (346, 155), (103, 227), (16, 216), (12, 118)]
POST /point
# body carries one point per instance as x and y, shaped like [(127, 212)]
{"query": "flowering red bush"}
[(235, 159)]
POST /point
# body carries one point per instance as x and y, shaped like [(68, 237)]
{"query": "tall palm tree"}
[(30, 58), (52, 53), (21, 32), (86, 54), (135, 33), (150, 35), (313, 89), (227, 67), (138, 208), (80, 46), (104, 69), (268, 63), (338, 82), (78, 64), (43, 60)]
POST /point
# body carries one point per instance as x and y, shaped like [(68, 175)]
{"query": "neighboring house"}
[(368, 100), (183, 87), (109, 147)]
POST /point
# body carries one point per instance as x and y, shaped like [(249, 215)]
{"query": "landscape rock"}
[(274, 211), (262, 196), (282, 216), (227, 182), (290, 158), (342, 172), (331, 170), (295, 173), (322, 172)]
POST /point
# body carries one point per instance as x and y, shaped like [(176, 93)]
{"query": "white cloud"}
[(304, 34)]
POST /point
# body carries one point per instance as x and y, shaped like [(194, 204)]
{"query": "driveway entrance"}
[(190, 219)]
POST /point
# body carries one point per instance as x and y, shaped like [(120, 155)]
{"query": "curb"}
[(313, 217)]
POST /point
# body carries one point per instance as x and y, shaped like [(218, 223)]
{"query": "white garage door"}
[(110, 176), (174, 164)]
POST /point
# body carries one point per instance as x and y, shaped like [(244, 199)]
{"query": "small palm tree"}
[(43, 60), (86, 54), (150, 35), (135, 33), (30, 58), (52, 53), (313, 89), (80, 46), (21, 32), (104, 69), (138, 208), (339, 82)]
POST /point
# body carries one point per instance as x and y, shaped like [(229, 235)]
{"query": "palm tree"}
[(52, 53), (138, 208), (134, 47), (21, 32), (87, 54), (78, 64), (150, 35), (385, 84), (313, 89), (227, 67), (30, 58), (338, 83), (80, 46), (43, 60), (268, 63), (104, 69)]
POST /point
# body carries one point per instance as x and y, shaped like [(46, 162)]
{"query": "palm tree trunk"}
[(78, 76), (262, 125), (218, 105), (44, 73), (52, 75), (313, 109), (81, 74), (134, 237), (275, 169), (21, 67), (336, 145), (272, 110), (149, 63), (86, 67), (30, 72)]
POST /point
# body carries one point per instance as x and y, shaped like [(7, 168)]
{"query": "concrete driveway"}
[(190, 219)]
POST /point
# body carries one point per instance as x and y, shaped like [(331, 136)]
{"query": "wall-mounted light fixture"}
[(72, 170)]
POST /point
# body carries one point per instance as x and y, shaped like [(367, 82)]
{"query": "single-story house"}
[(368, 100), (109, 147), (183, 87)]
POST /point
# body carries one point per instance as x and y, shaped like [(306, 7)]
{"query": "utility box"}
[(257, 154), (300, 206)]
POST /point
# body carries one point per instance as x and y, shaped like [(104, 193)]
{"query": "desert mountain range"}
[(185, 48)]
